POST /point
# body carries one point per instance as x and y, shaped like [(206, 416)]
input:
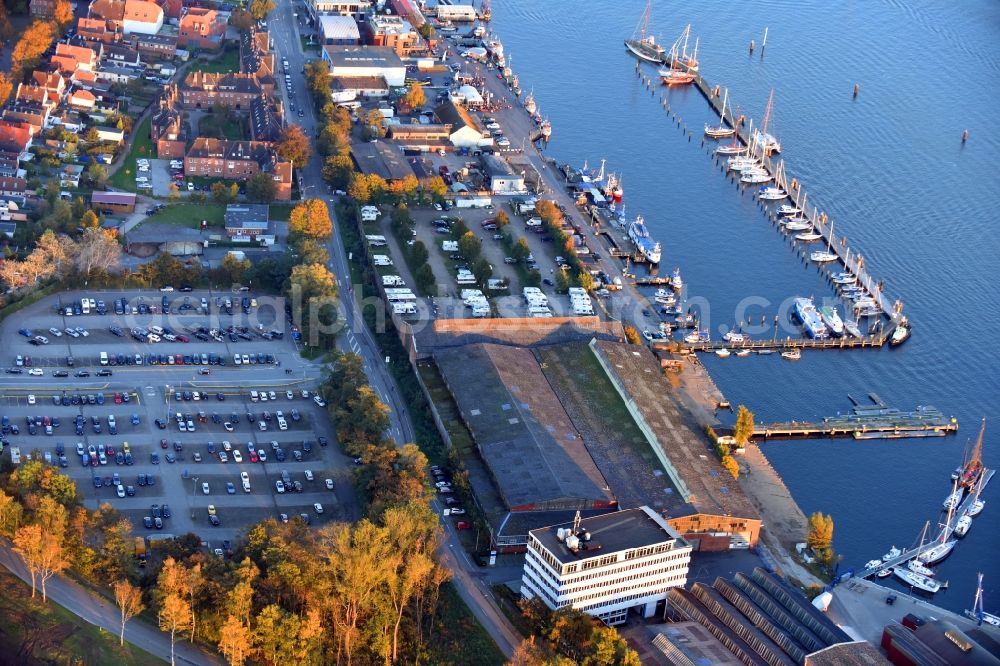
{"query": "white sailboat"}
[(977, 504), (916, 580), (720, 131), (977, 613), (824, 256), (944, 544)]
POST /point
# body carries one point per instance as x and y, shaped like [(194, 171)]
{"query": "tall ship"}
[(805, 310), (967, 476), (682, 67), (643, 45), (767, 142), (639, 234)]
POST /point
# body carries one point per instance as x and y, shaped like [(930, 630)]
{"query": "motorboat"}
[(791, 355), (799, 226), (786, 210), (664, 295), (723, 353), (916, 580), (832, 320), (883, 573), (845, 279), (822, 256), (873, 564), (639, 234), (529, 104), (675, 279), (868, 311), (917, 567), (806, 312), (743, 353), (852, 327), (765, 352), (892, 554), (734, 336), (962, 526), (809, 237), (697, 336), (771, 193), (900, 334), (685, 321), (731, 149)]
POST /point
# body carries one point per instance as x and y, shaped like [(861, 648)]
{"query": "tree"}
[(318, 79), (337, 171), (418, 253), (241, 19), (469, 246), (503, 219), (435, 187), (90, 220), (261, 188), (358, 188), (731, 466), (259, 9), (27, 543), (172, 591), (235, 640), (6, 87), (425, 278), (294, 146), (311, 219), (63, 13), (744, 426), (27, 53), (632, 335), (223, 194), (42, 552), (97, 251), (820, 536), (585, 280), (175, 615), (414, 97), (10, 514), (233, 270), (129, 600), (482, 269)]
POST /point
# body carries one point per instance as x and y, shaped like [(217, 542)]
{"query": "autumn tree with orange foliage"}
[(28, 51)]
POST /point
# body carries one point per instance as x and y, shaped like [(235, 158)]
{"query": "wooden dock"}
[(780, 344), (852, 262)]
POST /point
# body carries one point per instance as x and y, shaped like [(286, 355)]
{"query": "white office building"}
[(606, 565)]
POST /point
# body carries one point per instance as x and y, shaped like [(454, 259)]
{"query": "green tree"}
[(425, 278), (261, 188), (259, 9), (744, 426), (418, 253), (521, 250), (222, 193), (469, 246), (233, 270), (585, 280), (482, 269)]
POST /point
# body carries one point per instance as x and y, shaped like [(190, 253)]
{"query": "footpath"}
[(98, 611)]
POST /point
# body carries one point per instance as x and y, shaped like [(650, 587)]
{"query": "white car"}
[(329, 484), (272, 395), (290, 395), (226, 446), (236, 359), (204, 488), (237, 456), (72, 332), (309, 475), (262, 395), (319, 401), (246, 360), (282, 424), (190, 187), (56, 332), (36, 372), (31, 398), (493, 126), (279, 486), (318, 507), (82, 331)]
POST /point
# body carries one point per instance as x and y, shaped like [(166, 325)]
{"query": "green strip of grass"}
[(142, 146), (46, 633), (461, 639), (226, 63), (190, 215)]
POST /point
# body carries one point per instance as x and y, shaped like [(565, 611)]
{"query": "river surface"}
[(890, 169)]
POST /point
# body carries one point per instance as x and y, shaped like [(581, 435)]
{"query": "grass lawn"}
[(281, 212), (211, 125), (191, 215), (226, 63), (142, 146), (459, 638), (33, 632)]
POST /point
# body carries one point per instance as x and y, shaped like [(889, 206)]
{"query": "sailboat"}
[(977, 613), (916, 580), (720, 131), (643, 45), (944, 545), (821, 256), (682, 67), (767, 142), (916, 565), (968, 475), (978, 504)]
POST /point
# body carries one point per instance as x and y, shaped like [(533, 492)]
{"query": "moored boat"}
[(917, 581), (731, 149), (789, 211), (883, 573), (771, 193), (832, 320), (892, 554), (697, 336), (743, 353), (952, 501), (978, 613), (798, 226), (962, 526), (901, 333), (734, 336), (791, 355), (755, 177), (851, 327), (822, 256), (805, 310), (675, 279), (643, 45), (917, 567), (675, 77), (808, 237), (529, 104), (722, 353), (639, 234)]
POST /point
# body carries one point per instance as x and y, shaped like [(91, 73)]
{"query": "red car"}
[(253, 457), (163, 443), (118, 398), (463, 525)]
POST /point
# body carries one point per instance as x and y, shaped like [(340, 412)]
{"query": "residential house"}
[(33, 94), (201, 28), (70, 175), (96, 31), (122, 54), (83, 100), (31, 113), (167, 128), (394, 32), (245, 222), (265, 120), (51, 82), (255, 56), (202, 90), (110, 134), (42, 8), (110, 11), (466, 132), (113, 202), (238, 160), (142, 17), (13, 187), (69, 58), (336, 29), (163, 47), (172, 9), (9, 167), (366, 61), (118, 74), (84, 78)]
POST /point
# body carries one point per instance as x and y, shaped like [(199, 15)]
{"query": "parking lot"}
[(214, 400)]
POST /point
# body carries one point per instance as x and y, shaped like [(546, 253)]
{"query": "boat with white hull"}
[(809, 237), (755, 177), (978, 613), (917, 581), (917, 567), (798, 226), (962, 526), (789, 211), (771, 193), (639, 234), (805, 310), (832, 320)]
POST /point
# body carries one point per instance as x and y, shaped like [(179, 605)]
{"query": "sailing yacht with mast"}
[(977, 613), (967, 476), (768, 143), (821, 256), (643, 45), (720, 131), (682, 66), (943, 544)]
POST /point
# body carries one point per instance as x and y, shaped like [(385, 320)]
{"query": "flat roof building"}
[(339, 30), (366, 61), (503, 180), (606, 565), (380, 158)]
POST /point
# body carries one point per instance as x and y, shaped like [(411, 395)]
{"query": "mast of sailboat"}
[(977, 451), (750, 140), (644, 22), (923, 535), (977, 605), (722, 116), (946, 531), (693, 58), (767, 113)]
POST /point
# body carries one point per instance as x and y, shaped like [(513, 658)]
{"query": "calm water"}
[(888, 167)]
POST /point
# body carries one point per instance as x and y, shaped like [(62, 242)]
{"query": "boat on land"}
[(791, 355), (977, 613), (642, 44), (806, 312), (832, 320), (639, 234), (917, 581)]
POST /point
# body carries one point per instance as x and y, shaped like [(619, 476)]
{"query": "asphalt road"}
[(88, 606), (358, 339)]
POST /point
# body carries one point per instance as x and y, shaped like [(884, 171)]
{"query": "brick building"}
[(238, 160), (201, 28), (202, 90)]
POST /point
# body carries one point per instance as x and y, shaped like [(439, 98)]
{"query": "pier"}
[(908, 555), (781, 344), (921, 423)]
